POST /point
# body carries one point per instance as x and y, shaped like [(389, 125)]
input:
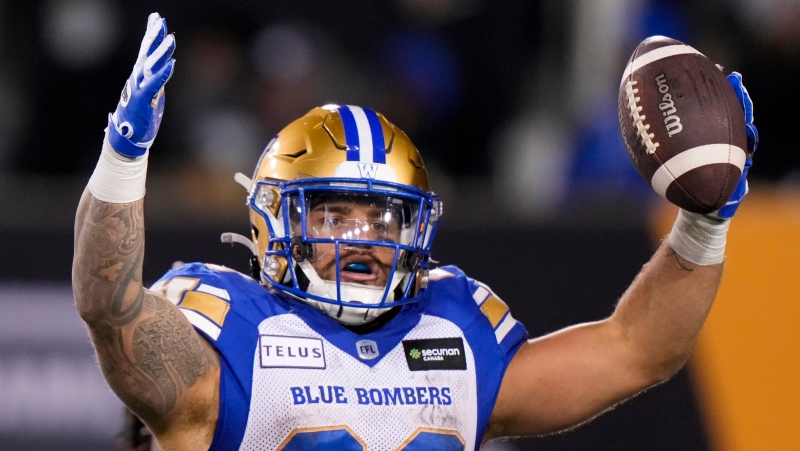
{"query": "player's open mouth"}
[(359, 271)]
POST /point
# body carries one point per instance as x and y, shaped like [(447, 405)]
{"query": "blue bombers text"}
[(332, 394)]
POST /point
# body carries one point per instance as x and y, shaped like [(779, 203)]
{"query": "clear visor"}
[(363, 237)]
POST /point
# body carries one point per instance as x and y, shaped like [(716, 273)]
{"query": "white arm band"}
[(118, 179), (698, 238)]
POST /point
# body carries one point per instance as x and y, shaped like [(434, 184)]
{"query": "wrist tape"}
[(116, 178), (698, 238)]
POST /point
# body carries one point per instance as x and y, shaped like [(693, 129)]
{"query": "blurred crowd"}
[(518, 95)]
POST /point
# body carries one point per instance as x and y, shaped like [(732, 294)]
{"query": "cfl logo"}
[(367, 349)]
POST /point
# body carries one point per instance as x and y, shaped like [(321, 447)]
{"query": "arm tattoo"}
[(107, 266), (155, 359), (148, 351)]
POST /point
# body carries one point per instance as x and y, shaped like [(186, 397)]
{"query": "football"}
[(682, 125)]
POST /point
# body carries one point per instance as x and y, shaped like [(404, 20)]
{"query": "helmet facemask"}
[(354, 249)]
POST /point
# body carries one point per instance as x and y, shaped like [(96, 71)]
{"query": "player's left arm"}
[(566, 378)]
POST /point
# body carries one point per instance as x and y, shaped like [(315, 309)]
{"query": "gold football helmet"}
[(342, 214)]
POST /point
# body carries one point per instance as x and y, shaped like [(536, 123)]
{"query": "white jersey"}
[(293, 378)]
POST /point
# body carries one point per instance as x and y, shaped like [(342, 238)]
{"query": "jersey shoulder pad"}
[(203, 277), (449, 285), (205, 293)]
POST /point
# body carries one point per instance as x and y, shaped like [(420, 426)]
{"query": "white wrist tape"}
[(699, 238), (116, 178)]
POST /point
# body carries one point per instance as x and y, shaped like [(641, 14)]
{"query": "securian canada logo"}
[(435, 354)]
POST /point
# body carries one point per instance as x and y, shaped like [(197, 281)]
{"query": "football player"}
[(344, 336)]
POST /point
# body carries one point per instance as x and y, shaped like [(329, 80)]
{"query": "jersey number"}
[(343, 438)]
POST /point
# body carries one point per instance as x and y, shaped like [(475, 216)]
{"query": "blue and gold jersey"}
[(293, 378)]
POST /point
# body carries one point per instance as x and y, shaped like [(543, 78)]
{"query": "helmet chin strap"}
[(364, 294)]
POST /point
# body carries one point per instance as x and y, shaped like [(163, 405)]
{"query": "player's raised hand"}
[(728, 210), (133, 126)]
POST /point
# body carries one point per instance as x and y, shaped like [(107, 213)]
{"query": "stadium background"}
[(513, 107)]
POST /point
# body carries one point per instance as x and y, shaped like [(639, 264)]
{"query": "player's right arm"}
[(148, 352)]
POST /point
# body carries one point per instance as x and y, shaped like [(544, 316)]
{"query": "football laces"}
[(638, 119)]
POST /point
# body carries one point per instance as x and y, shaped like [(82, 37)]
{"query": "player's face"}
[(363, 264)]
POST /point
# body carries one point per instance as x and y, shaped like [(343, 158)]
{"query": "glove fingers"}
[(729, 209), (162, 33), (152, 19), (159, 57), (735, 79), (154, 27), (153, 85), (752, 138), (747, 103)]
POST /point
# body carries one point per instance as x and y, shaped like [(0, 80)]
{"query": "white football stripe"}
[(364, 134), (655, 55), (694, 158)]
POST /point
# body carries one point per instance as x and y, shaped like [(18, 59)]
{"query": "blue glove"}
[(727, 211), (133, 126)]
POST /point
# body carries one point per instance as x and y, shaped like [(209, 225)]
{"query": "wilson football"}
[(682, 124)]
